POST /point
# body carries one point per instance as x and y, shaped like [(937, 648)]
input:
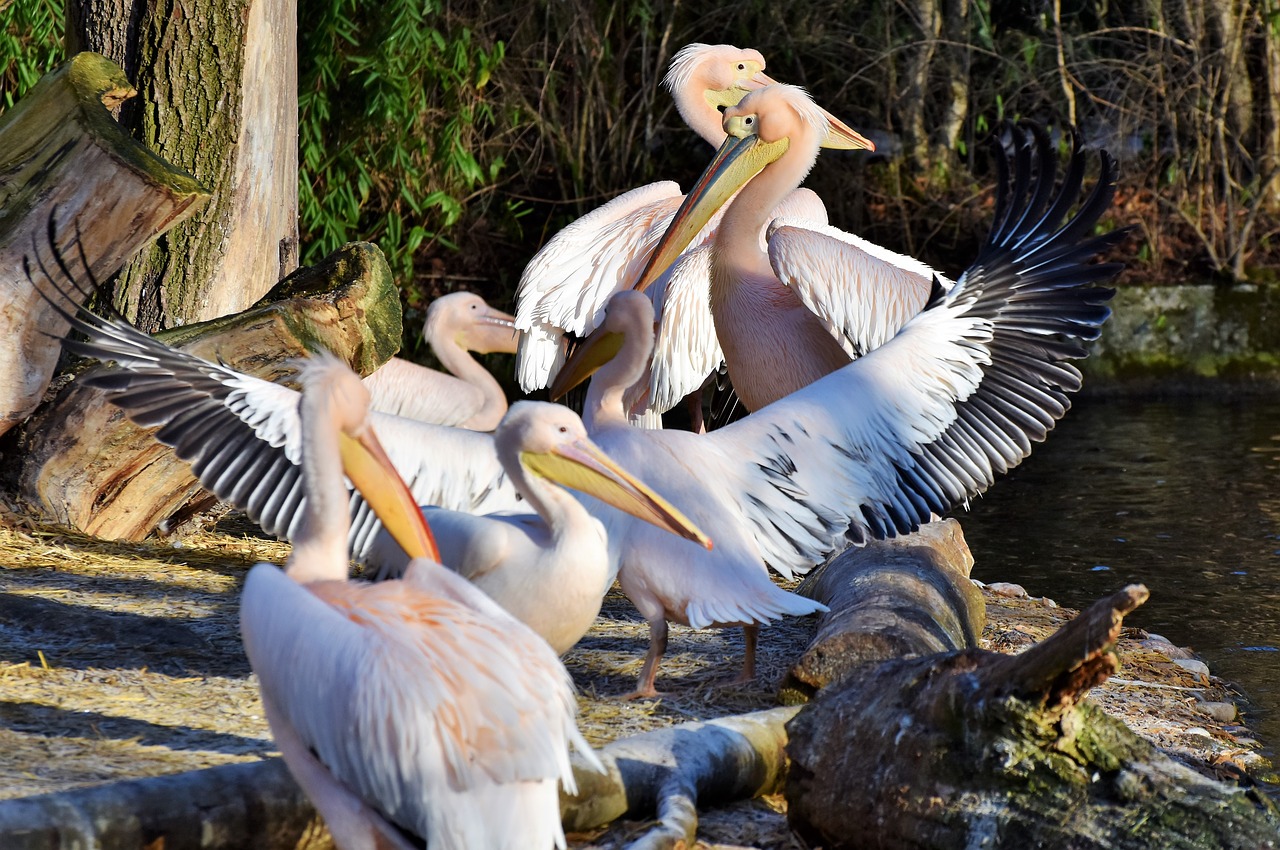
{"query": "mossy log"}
[(972, 748), (896, 598), (86, 466), (64, 158)]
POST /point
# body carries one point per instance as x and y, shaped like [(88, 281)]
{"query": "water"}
[(1182, 496)]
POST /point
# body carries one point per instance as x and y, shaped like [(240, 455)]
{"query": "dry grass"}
[(119, 661)]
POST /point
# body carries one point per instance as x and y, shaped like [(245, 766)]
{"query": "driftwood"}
[(894, 598), (62, 154), (971, 748), (221, 808), (86, 466)]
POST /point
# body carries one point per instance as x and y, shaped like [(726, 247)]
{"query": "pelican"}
[(917, 426), (811, 299), (550, 569), (565, 286), (407, 710), (469, 397)]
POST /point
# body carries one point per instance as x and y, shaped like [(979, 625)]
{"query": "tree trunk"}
[(219, 98), (65, 160), (971, 748), (88, 467), (926, 19)]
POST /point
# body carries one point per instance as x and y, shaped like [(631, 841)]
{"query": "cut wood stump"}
[(897, 598), (971, 748), (84, 465), (64, 158)]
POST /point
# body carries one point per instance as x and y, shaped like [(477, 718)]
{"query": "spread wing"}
[(929, 419)]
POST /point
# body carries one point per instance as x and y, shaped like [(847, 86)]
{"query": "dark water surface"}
[(1182, 496)]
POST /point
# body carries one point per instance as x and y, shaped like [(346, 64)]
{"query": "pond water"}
[(1180, 495)]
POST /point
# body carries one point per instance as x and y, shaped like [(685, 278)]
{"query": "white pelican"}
[(815, 297), (917, 426), (469, 397), (565, 286), (407, 710), (550, 569)]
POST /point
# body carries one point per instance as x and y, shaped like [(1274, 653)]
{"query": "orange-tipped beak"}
[(365, 462)]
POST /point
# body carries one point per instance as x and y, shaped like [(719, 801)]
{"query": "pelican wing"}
[(863, 293), (925, 422), (686, 349), (241, 434), (403, 388), (565, 286), (421, 696)]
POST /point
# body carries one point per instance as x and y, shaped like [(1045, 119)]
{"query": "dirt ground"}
[(122, 661)]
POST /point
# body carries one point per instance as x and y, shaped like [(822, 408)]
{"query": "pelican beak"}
[(598, 349), (496, 333), (840, 136), (740, 158), (365, 462), (582, 466)]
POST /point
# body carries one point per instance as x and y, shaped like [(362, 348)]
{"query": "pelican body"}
[(469, 397), (809, 298), (407, 710), (549, 569)]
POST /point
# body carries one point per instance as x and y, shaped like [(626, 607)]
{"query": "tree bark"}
[(897, 598), (88, 467), (971, 748), (64, 159), (219, 98)]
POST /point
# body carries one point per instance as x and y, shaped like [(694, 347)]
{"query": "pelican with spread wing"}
[(917, 426)]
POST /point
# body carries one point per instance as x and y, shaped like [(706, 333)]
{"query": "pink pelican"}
[(565, 286), (411, 710), (469, 396), (813, 297), (917, 426)]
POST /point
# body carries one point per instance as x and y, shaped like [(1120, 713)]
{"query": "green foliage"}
[(30, 45), (394, 116)]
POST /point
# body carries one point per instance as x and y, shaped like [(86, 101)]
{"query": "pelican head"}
[(762, 127), (364, 461), (465, 319), (720, 75), (550, 441), (626, 312)]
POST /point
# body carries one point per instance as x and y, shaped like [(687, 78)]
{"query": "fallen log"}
[(85, 465), (220, 808), (897, 598), (972, 748), (64, 157)]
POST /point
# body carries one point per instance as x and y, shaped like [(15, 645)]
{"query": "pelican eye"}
[(742, 67), (748, 120), (564, 430)]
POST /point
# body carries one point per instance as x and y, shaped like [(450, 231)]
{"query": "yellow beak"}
[(738, 160), (582, 466), (595, 351), (366, 463), (840, 136)]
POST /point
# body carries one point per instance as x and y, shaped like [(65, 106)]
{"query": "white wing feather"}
[(863, 293)]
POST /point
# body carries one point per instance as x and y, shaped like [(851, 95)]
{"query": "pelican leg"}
[(750, 636), (649, 672)]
